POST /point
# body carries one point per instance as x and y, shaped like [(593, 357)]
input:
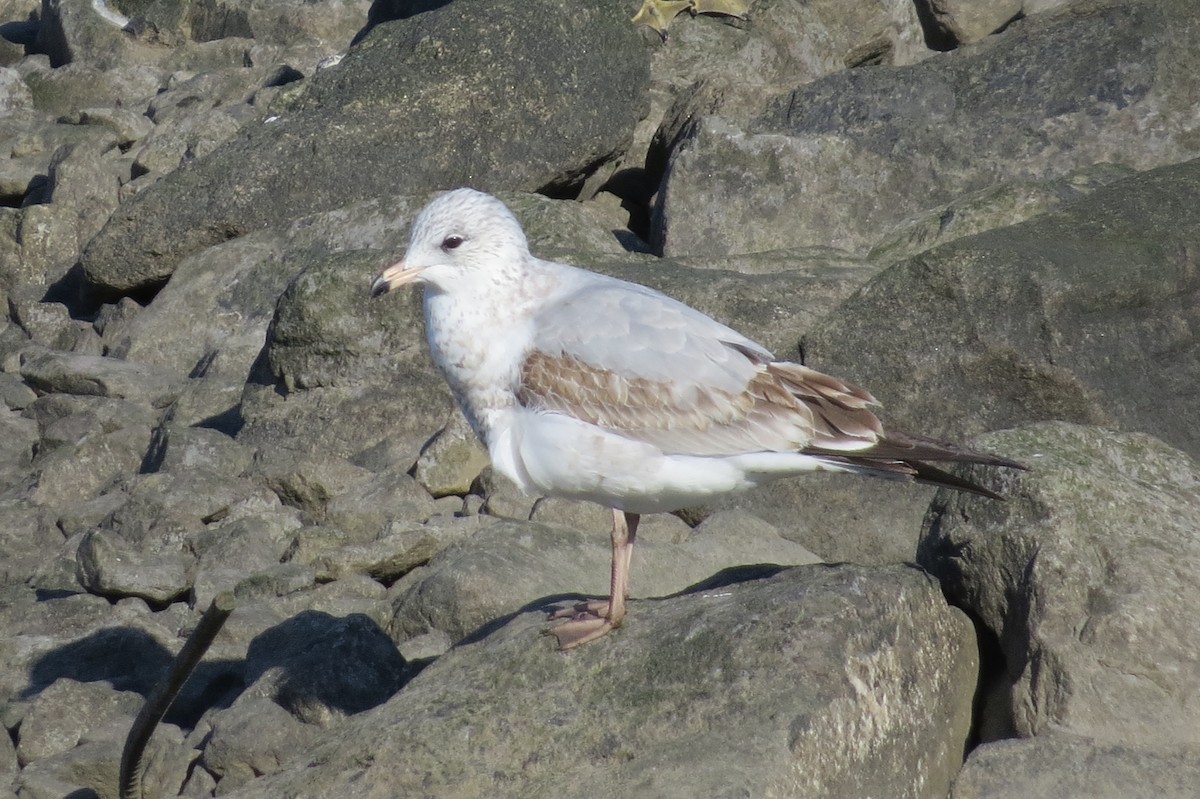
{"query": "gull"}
[(592, 388)]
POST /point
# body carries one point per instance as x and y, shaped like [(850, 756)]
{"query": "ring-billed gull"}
[(589, 387)]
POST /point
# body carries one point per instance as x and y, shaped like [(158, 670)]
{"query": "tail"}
[(900, 456)]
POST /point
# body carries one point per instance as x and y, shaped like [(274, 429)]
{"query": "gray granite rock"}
[(916, 137), (510, 565), (1071, 767), (106, 566), (956, 22), (817, 682), (93, 375), (576, 108), (1053, 319), (254, 737), (65, 712), (335, 368), (1083, 577)]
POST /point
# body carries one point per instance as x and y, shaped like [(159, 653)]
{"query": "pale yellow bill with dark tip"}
[(394, 276)]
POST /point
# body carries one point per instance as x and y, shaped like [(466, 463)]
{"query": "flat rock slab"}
[(819, 681), (95, 375)]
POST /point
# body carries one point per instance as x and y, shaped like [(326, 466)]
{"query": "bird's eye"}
[(452, 242)]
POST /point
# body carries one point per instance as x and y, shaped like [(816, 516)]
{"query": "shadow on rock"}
[(130, 659), (321, 667)]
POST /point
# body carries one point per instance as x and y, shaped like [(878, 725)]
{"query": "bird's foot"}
[(580, 629), (581, 623)]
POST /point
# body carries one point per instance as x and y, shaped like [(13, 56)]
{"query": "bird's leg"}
[(588, 621)]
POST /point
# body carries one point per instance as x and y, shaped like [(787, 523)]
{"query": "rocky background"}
[(987, 212)]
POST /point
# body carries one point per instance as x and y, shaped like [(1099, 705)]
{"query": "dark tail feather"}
[(900, 456)]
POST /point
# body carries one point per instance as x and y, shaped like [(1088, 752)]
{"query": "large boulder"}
[(1086, 315), (817, 682), (1084, 580), (415, 106), (839, 161)]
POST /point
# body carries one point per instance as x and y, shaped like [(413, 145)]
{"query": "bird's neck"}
[(478, 339)]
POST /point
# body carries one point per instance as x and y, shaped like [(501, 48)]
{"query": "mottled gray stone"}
[(1084, 578), (817, 682)]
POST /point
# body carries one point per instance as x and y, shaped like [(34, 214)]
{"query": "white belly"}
[(555, 455)]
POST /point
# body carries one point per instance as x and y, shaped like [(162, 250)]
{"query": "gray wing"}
[(634, 361)]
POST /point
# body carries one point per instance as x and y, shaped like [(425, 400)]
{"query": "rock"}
[(511, 565), (839, 517), (576, 109), (82, 470), (303, 30), (1083, 578), (178, 448), (65, 89), (322, 669), (69, 418), (1052, 319), (92, 768), (65, 712), (211, 320), (308, 482), (714, 69), (166, 509), (106, 568), (9, 767), (94, 375), (887, 673), (921, 135), (48, 324), (336, 367), (994, 207), (254, 737), (244, 555), (84, 638), (397, 550), (28, 539), (1071, 767), (128, 125), (14, 393), (18, 437), (452, 461), (366, 509), (956, 22)]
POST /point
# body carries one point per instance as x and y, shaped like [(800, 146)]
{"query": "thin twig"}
[(165, 692)]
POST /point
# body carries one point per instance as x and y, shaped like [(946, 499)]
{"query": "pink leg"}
[(588, 621)]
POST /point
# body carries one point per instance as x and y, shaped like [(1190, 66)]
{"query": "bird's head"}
[(463, 238)]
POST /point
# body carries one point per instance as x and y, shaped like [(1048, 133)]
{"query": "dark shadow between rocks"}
[(390, 10), (130, 659)]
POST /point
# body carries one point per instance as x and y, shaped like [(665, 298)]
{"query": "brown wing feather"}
[(783, 407)]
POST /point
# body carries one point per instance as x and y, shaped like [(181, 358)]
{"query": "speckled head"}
[(463, 237)]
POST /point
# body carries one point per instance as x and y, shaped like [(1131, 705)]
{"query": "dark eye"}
[(452, 242)]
